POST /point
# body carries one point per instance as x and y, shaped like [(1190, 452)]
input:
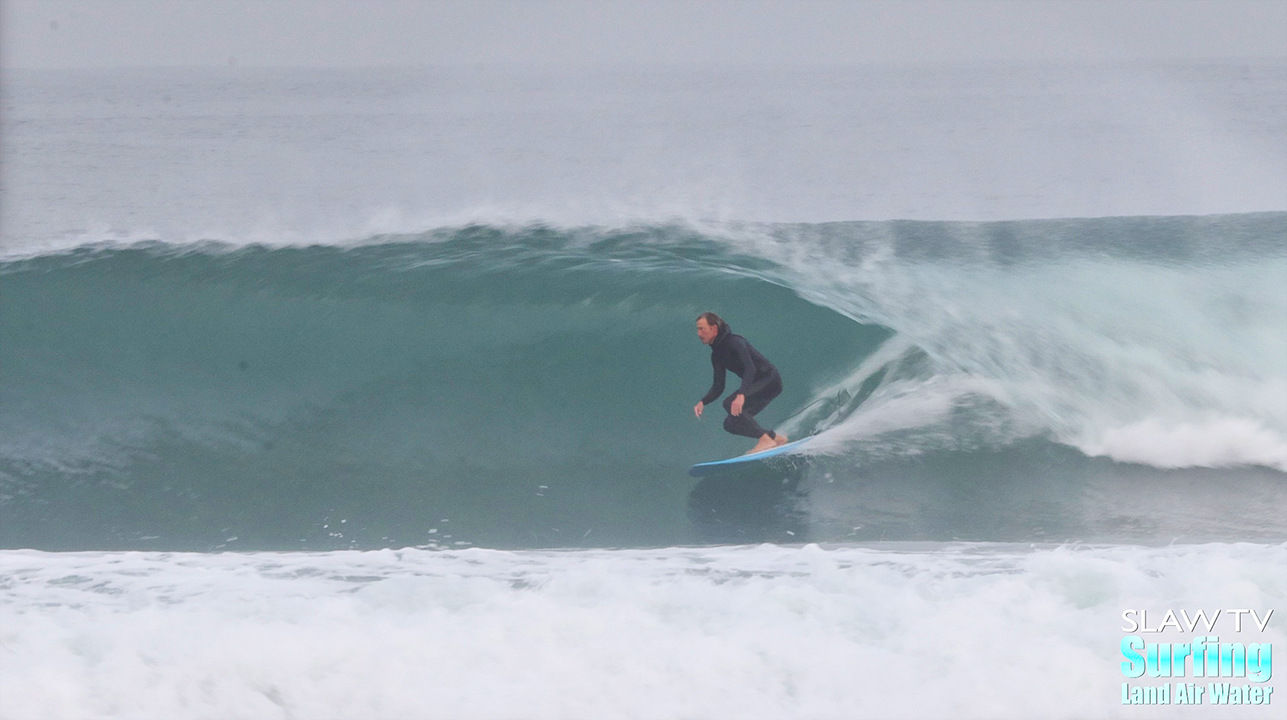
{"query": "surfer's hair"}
[(714, 321)]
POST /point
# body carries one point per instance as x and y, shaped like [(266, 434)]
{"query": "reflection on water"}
[(1035, 491), (760, 502)]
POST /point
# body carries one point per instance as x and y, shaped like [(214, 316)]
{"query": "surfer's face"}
[(706, 332)]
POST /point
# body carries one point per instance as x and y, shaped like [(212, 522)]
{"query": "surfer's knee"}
[(730, 424)]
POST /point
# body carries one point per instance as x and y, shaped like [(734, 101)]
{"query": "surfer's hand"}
[(736, 407), (697, 409)]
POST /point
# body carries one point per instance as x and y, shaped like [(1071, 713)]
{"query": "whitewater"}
[(368, 393)]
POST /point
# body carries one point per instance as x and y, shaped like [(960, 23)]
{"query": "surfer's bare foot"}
[(780, 440), (765, 443)]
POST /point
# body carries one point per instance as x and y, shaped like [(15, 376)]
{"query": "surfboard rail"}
[(707, 468)]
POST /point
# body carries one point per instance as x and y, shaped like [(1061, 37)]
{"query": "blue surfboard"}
[(708, 468)]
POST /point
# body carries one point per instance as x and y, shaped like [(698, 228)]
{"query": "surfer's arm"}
[(717, 385)]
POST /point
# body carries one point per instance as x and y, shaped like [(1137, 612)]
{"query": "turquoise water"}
[(532, 386)]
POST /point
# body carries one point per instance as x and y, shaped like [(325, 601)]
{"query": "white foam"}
[(1216, 443), (776, 632), (1176, 365)]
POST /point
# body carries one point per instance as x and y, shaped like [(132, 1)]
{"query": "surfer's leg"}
[(745, 424), (761, 394)]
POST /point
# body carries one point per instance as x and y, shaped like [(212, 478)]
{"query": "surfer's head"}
[(709, 326)]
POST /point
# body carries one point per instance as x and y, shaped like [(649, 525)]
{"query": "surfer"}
[(760, 381)]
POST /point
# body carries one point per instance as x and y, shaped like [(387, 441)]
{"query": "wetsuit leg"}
[(758, 398)]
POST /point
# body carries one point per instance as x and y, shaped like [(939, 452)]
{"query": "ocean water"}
[(368, 393)]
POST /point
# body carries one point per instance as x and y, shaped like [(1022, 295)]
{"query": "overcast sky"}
[(114, 33)]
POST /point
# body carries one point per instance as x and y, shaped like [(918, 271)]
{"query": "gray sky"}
[(113, 33)]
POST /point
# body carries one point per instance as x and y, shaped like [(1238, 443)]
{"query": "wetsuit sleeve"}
[(717, 386), (748, 366)]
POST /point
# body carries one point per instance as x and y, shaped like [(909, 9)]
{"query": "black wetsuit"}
[(760, 382)]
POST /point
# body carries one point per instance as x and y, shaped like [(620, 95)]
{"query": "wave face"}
[(1101, 379)]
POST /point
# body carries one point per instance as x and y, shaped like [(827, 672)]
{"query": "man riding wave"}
[(760, 381)]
